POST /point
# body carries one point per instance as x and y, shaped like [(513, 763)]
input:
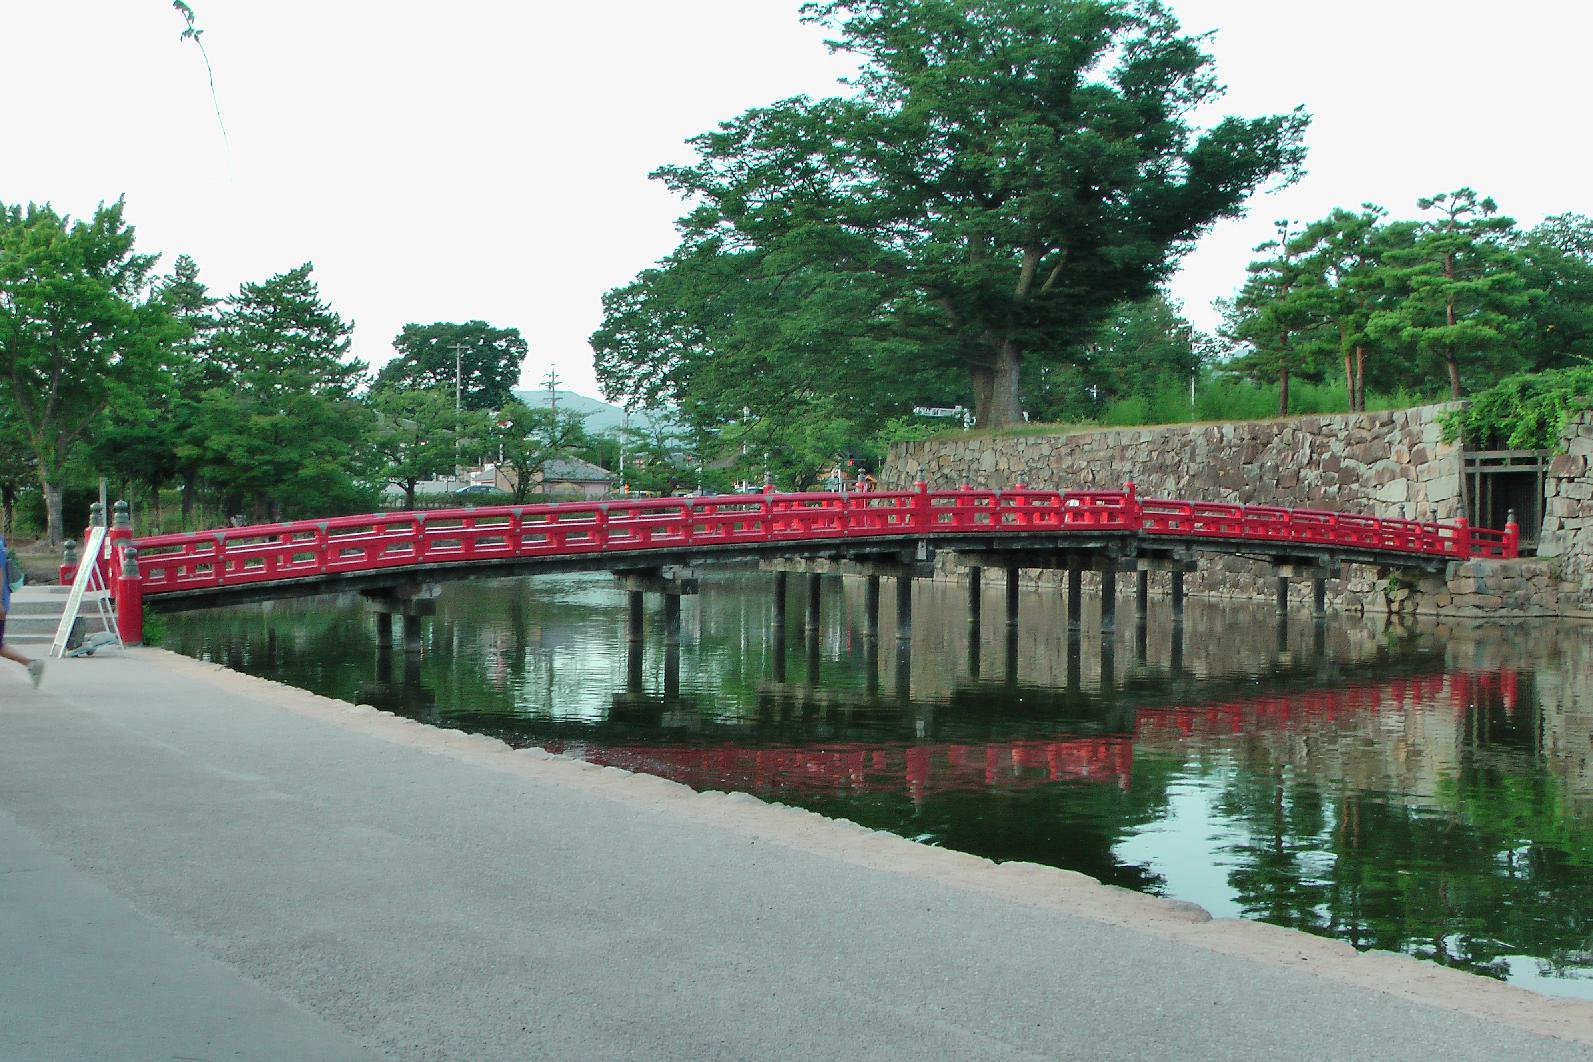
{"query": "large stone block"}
[(1443, 488), (1394, 492), (1568, 466)]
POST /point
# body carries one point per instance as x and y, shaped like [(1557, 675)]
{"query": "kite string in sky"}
[(193, 32)]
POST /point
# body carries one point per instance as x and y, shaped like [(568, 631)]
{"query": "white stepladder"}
[(88, 587)]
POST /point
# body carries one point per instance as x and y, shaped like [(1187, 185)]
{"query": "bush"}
[(1525, 412), (1229, 398)]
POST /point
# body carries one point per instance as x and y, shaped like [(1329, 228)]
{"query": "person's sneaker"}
[(36, 672)]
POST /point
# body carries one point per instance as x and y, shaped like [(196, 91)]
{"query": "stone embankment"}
[(1389, 463)]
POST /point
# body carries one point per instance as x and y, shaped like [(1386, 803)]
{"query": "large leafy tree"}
[(1006, 172), (795, 365), (1556, 259), (78, 325), (417, 436), (278, 336), (283, 433), (18, 462), (1271, 320), (1146, 346), (527, 437), (1463, 296), (1340, 284), (140, 439), (481, 360), (196, 369)]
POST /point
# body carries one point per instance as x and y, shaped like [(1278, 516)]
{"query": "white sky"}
[(443, 162)]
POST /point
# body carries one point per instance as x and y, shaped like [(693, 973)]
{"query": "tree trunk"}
[(1003, 405), (189, 488), (982, 380), (154, 507), (1360, 379), (54, 532), (8, 501), (1349, 379), (1283, 390), (409, 495), (1449, 317)]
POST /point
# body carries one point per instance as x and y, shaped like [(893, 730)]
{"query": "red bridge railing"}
[(316, 548), (929, 768)]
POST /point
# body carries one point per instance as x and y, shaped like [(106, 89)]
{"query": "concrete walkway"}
[(201, 865)]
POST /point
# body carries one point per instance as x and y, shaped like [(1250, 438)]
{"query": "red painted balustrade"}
[(348, 544), (928, 768)]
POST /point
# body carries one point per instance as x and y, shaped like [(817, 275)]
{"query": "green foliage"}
[(1227, 398), (1525, 412), (1556, 260), (283, 435), (486, 359), (1461, 293), (1004, 175), (156, 626), (528, 436), (78, 326), (418, 435)]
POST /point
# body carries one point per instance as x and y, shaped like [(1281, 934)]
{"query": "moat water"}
[(1427, 790)]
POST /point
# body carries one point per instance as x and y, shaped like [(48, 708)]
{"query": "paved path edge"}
[(1029, 884)]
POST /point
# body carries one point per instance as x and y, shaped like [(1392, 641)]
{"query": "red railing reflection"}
[(929, 768)]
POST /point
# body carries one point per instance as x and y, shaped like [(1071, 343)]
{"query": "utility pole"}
[(552, 382), (625, 433), (459, 361)]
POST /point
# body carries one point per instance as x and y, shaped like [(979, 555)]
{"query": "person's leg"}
[(35, 667)]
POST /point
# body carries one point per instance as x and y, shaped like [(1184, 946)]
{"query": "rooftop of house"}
[(574, 470)]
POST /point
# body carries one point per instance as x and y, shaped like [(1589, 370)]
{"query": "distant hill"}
[(602, 418)]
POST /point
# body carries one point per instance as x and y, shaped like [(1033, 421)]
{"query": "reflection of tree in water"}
[(1490, 866)]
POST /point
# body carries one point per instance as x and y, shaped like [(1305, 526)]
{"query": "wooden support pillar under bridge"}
[(410, 602), (902, 573), (672, 581)]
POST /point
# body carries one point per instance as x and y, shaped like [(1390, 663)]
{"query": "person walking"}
[(8, 574)]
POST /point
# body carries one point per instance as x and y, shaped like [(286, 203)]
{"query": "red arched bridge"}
[(889, 532)]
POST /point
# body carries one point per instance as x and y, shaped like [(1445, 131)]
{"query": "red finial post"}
[(1133, 515), (130, 598), (922, 518), (1512, 546)]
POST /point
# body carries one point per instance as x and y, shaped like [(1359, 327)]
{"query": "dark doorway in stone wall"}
[(1499, 482)]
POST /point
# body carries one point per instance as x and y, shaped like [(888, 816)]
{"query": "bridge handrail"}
[(374, 541)]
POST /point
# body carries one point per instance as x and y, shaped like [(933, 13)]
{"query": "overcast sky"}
[(444, 162)]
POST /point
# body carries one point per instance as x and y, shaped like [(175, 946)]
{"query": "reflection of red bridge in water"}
[(924, 769)]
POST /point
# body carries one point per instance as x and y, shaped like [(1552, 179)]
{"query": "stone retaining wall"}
[(1384, 463)]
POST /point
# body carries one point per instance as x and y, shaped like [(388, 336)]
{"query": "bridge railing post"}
[(68, 570), (129, 595), (1133, 514), (923, 516), (1463, 538), (1512, 542)]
